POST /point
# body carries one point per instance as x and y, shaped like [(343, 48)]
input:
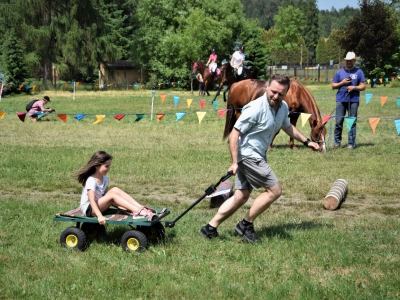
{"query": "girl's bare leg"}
[(119, 198)]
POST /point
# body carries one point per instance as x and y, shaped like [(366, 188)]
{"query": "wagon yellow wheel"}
[(134, 241), (73, 238)]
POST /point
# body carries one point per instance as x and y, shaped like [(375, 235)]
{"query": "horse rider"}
[(237, 61), (212, 61)]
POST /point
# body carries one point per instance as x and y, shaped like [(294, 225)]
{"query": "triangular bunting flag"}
[(215, 103), (304, 118), (176, 100), (2, 113), (119, 116), (77, 84), (99, 119), (374, 79), (40, 116), (200, 115), (380, 80), (160, 116), (397, 102), (349, 122), (397, 124), (222, 112), (139, 117), (162, 97), (180, 116), (79, 116), (21, 116), (63, 117), (202, 102), (373, 122), (189, 102), (368, 81), (383, 100), (368, 97), (325, 119), (386, 79)]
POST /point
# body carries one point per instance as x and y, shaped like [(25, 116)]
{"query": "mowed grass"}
[(307, 252)]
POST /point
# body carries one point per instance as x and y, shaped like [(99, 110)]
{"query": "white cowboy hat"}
[(351, 56)]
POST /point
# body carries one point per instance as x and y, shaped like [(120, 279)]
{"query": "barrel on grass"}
[(337, 194), (223, 192)]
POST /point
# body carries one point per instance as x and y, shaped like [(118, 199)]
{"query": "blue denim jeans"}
[(341, 108)]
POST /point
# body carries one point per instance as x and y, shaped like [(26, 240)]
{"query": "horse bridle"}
[(319, 135)]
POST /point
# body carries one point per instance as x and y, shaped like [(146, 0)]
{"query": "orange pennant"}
[(160, 116), (2, 113), (380, 80), (374, 122), (383, 100), (162, 97), (63, 117)]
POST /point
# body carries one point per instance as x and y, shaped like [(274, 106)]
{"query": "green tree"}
[(14, 61), (378, 45), (171, 35), (289, 23), (310, 30)]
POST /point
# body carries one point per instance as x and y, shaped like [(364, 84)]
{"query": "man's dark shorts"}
[(254, 173)]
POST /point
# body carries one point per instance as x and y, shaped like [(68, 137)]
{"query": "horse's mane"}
[(312, 101)]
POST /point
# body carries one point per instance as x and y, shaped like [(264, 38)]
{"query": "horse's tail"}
[(230, 119)]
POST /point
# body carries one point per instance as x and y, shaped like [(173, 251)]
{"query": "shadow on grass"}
[(282, 231)]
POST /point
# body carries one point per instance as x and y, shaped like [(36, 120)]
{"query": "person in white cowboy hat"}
[(349, 81)]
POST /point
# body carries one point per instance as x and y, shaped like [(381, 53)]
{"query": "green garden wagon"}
[(134, 240)]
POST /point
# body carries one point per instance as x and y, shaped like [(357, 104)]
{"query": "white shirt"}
[(99, 191), (237, 58)]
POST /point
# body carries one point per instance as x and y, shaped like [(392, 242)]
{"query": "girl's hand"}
[(102, 220)]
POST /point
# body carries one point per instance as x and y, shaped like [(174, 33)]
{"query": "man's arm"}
[(338, 85), (293, 132), (234, 148)]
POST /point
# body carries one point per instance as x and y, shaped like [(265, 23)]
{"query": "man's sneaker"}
[(207, 232), (247, 232)]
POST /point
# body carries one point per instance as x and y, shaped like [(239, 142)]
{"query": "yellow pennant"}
[(189, 102), (304, 118), (200, 115), (99, 119)]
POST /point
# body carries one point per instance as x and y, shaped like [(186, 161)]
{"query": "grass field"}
[(307, 252)]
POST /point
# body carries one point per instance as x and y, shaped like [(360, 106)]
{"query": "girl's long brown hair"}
[(98, 158)]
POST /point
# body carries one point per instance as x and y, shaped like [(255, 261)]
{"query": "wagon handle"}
[(211, 189)]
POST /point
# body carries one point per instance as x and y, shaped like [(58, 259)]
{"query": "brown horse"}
[(208, 77), (228, 78), (298, 98)]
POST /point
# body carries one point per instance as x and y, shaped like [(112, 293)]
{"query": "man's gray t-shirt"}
[(258, 124)]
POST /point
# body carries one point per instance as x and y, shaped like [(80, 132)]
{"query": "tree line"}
[(165, 37)]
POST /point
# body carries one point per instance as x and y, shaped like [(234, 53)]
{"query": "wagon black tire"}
[(134, 241), (93, 230), (154, 233), (73, 238)]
